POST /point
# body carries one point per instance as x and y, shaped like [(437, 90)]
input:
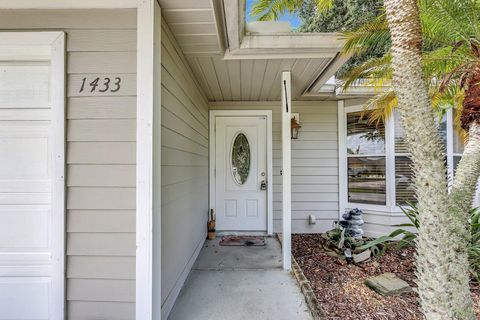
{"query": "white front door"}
[(241, 173), (29, 233)]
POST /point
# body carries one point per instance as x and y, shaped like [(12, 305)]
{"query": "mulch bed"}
[(340, 289)]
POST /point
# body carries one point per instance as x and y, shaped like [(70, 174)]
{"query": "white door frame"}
[(242, 113), (49, 46)]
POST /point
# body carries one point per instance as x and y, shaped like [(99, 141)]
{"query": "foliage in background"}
[(409, 237), (344, 16)]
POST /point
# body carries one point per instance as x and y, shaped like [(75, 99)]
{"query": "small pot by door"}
[(241, 173)]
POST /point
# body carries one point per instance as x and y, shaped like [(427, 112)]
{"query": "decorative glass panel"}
[(366, 180), (364, 137), (240, 159)]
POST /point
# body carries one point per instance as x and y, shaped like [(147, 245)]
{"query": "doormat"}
[(243, 241)]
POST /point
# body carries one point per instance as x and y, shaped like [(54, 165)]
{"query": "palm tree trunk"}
[(434, 256), (463, 191), (461, 197)]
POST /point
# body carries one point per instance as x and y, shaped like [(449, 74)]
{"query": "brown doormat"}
[(243, 241)]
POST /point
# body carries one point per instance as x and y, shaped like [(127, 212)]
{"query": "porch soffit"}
[(232, 66)]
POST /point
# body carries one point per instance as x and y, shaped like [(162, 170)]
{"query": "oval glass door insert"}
[(240, 159)]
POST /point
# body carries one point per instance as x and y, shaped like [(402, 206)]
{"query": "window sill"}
[(374, 208)]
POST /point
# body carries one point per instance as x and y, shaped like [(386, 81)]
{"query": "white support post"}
[(286, 171), (390, 161), (148, 81), (342, 159)]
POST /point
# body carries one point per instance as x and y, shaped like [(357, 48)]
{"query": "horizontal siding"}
[(101, 134), (184, 149), (110, 221), (314, 164), (95, 152), (101, 108), (101, 267), (80, 310), (101, 290)]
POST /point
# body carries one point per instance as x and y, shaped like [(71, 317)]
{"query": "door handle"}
[(263, 185)]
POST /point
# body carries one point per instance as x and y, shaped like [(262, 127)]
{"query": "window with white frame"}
[(365, 160), (377, 166)]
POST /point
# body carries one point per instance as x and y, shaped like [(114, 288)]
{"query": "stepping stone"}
[(388, 284)]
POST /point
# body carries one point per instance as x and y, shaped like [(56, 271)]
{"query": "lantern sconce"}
[(295, 125)]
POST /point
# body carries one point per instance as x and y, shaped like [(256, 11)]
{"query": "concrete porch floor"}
[(239, 283)]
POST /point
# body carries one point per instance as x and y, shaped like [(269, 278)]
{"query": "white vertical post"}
[(286, 170), (390, 161), (147, 83), (58, 185), (342, 159), (157, 167)]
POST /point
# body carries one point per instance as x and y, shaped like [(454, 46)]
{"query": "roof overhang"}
[(240, 44), (286, 46), (226, 53), (334, 88)]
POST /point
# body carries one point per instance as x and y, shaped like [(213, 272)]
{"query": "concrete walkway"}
[(240, 283)]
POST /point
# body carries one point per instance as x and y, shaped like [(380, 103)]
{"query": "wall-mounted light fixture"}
[(295, 125)]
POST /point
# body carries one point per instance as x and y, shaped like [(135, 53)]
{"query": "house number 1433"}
[(107, 84)]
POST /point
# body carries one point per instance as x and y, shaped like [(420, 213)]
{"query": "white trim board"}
[(235, 113), (55, 41), (147, 285), (286, 89)]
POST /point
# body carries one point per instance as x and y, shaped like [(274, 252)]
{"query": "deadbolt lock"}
[(263, 185)]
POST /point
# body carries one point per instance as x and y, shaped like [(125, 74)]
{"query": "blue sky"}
[(294, 20)]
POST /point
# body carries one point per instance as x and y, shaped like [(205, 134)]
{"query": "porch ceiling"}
[(248, 68), (253, 80), (193, 24)]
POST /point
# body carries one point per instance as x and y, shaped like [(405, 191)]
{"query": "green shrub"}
[(409, 237)]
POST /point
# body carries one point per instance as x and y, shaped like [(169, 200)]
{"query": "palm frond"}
[(375, 68), (267, 10), (437, 63), (449, 20), (381, 106), (370, 36), (323, 5)]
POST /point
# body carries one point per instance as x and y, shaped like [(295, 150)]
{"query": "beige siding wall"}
[(184, 169), (100, 158), (314, 163)]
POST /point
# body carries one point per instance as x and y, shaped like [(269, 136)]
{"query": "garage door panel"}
[(25, 229), (24, 85), (31, 248), (25, 114), (26, 186), (24, 157), (24, 298), (25, 198), (40, 260), (31, 271)]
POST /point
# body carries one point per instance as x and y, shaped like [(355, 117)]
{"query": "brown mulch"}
[(340, 289)]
